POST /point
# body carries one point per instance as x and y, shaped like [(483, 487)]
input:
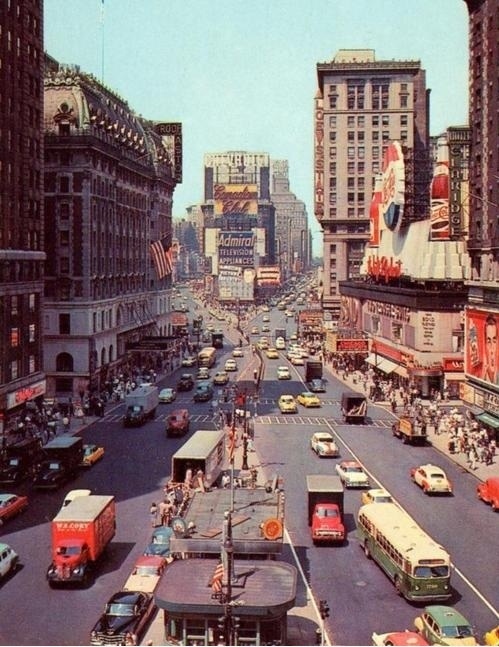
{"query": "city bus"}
[(207, 356), (417, 565)]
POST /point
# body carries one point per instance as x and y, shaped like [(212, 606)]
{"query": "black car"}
[(316, 386), (203, 392), (124, 619), (186, 382)]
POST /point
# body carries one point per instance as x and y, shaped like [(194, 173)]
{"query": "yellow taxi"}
[(491, 637), (376, 495), (91, 454), (272, 353), (309, 399), (287, 404)]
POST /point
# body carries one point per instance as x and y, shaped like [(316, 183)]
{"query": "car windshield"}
[(120, 610), (384, 498), (327, 512), (458, 631), (68, 550), (324, 439), (146, 570), (436, 475), (431, 571), (353, 468)]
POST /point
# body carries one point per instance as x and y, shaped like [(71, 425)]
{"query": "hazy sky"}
[(241, 75)]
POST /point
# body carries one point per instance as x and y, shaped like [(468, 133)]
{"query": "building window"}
[(333, 101), (14, 305), (361, 120), (332, 182), (360, 197), (351, 152), (351, 212), (14, 369), (396, 332), (360, 182), (375, 120), (403, 120), (361, 167), (65, 324), (350, 121), (375, 325), (385, 120), (351, 183), (332, 121), (32, 364), (64, 265), (385, 135), (403, 101), (351, 136), (351, 167), (375, 135), (332, 153), (14, 337), (332, 198), (332, 136), (351, 197), (32, 332), (375, 152), (361, 152), (332, 168), (360, 136)]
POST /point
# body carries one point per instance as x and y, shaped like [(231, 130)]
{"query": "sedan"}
[(125, 618), (272, 353), (221, 377), (322, 443), (265, 328), (237, 352), (308, 399), (352, 474), (287, 404), (431, 479), (266, 318), (442, 625), (283, 373), (146, 574), (254, 330), (399, 638), (316, 386), (189, 361), (160, 542), (376, 495), (91, 454), (9, 560), (230, 365), (11, 505), (167, 395), (296, 360)]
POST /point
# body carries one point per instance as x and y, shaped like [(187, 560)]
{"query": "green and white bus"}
[(417, 565)]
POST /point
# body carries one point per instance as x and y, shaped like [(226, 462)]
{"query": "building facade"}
[(291, 223), (482, 313), (361, 105), (22, 256), (109, 182)]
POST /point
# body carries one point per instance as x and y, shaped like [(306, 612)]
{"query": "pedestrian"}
[(164, 512), (153, 511), (65, 424)]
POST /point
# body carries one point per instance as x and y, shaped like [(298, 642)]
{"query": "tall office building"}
[(481, 359), (360, 107), (21, 207)]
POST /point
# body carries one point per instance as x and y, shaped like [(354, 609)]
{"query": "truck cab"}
[(177, 423), (325, 508), (327, 524), (19, 459)]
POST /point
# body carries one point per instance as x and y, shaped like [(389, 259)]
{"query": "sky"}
[(242, 74)]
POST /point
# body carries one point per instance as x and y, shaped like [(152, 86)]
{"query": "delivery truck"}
[(60, 460), (19, 460), (205, 451), (80, 532), (410, 431), (325, 508), (313, 370), (353, 406), (141, 404)]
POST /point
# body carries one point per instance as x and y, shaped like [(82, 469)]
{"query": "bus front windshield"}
[(441, 570)]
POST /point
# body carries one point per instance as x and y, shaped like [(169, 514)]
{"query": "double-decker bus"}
[(207, 356), (418, 566)]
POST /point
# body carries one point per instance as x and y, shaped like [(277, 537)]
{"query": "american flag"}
[(161, 253), (216, 580)]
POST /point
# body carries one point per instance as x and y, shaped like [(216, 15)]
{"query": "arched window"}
[(64, 363)]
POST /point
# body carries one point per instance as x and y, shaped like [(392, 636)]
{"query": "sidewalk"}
[(439, 441)]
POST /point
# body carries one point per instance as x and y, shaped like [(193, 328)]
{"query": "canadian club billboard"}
[(236, 248)]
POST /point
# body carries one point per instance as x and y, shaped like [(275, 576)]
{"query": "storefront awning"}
[(372, 359), (455, 376), (488, 419), (387, 366), (401, 370)]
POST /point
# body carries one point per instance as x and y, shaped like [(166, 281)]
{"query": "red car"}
[(488, 491), (12, 504)]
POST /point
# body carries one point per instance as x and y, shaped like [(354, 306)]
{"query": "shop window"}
[(396, 332)]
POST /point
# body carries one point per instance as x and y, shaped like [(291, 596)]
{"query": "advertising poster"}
[(481, 359)]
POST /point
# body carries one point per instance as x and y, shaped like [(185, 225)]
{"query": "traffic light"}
[(324, 609), (222, 624)]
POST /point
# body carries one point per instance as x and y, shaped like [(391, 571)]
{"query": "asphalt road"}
[(361, 598)]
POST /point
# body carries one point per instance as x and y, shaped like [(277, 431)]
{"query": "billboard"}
[(171, 136), (481, 355), (393, 187), (235, 199), (236, 248)]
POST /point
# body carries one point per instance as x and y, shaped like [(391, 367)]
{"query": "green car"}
[(442, 625)]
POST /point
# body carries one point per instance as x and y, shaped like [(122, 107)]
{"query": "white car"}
[(189, 361), (283, 373), (237, 352), (167, 395), (352, 474), (322, 443), (431, 479), (280, 343), (9, 559), (74, 494), (297, 360), (230, 365)]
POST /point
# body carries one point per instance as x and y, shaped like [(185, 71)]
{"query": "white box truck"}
[(141, 404)]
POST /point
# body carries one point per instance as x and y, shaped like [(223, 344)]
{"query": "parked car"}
[(9, 560), (167, 395), (146, 574), (12, 505), (352, 474), (160, 542), (399, 638), (442, 625), (186, 382), (125, 618), (287, 404), (91, 454), (322, 443), (431, 479), (488, 491)]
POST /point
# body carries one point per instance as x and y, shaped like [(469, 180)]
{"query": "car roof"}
[(149, 560), (443, 614)]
